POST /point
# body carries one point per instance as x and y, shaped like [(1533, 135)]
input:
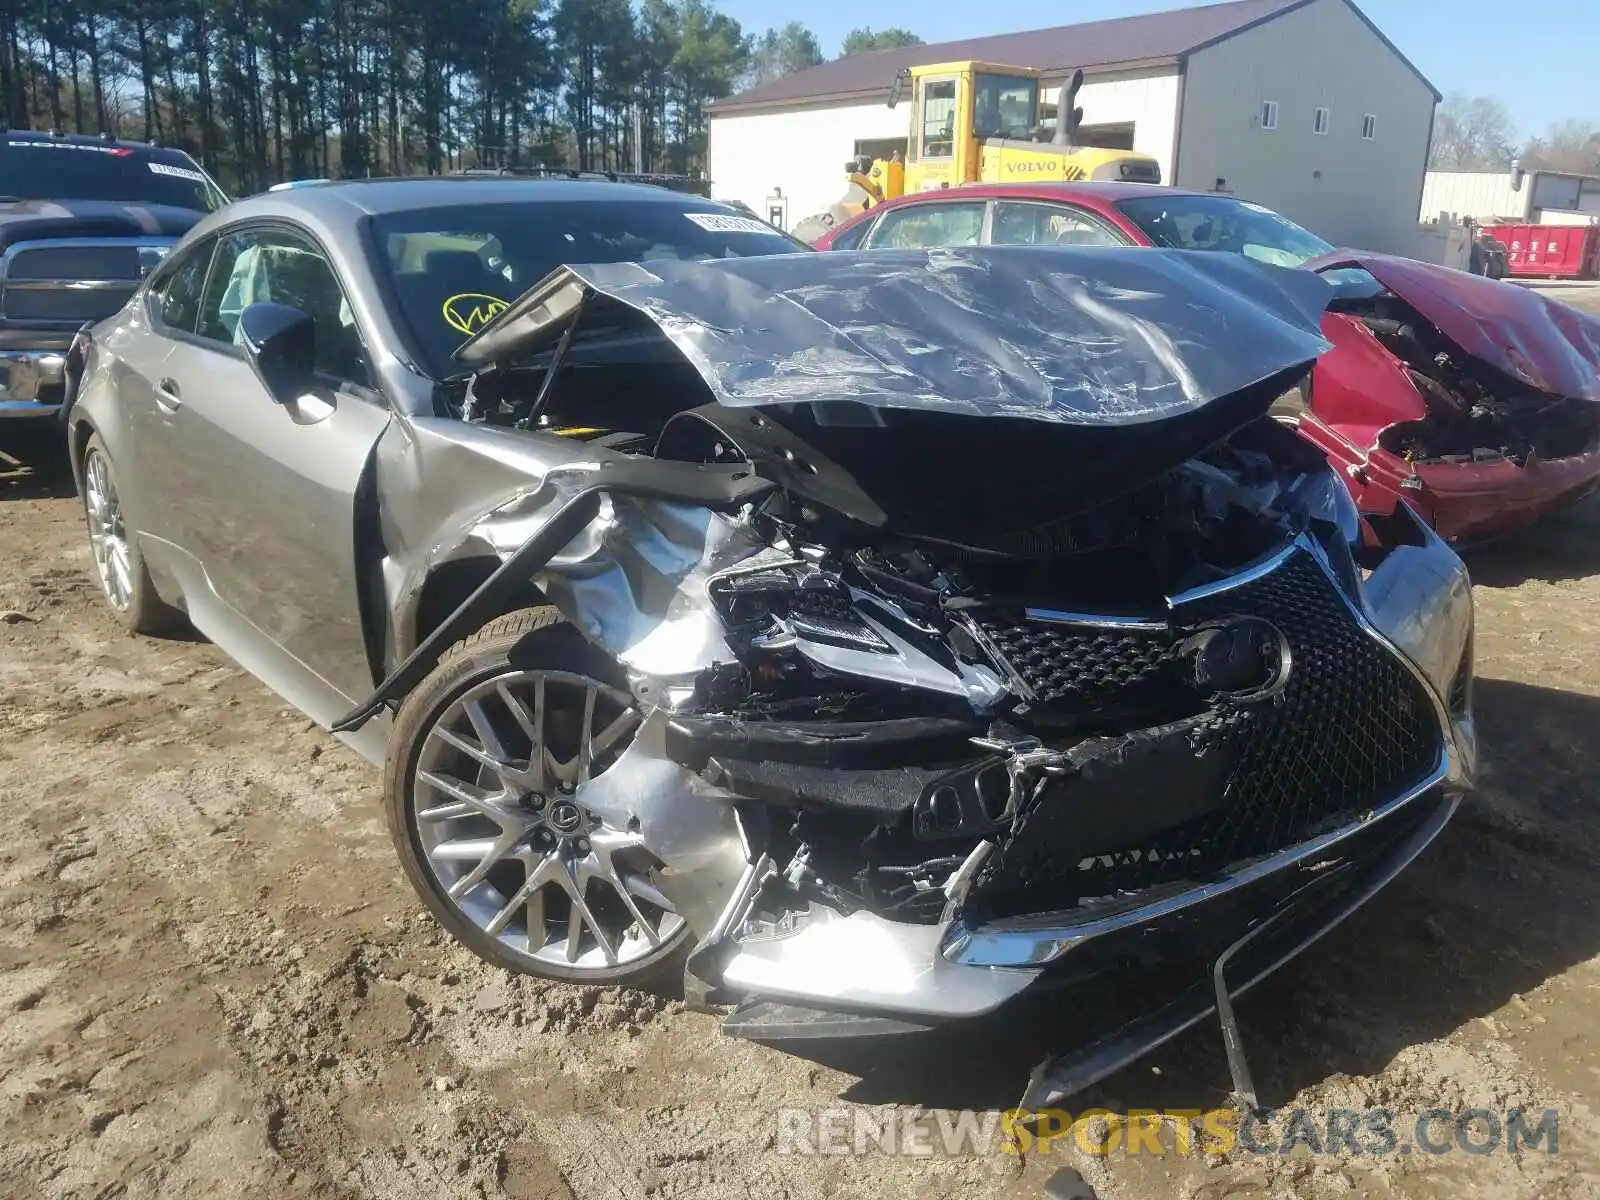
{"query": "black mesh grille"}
[(1351, 729), (1082, 664)]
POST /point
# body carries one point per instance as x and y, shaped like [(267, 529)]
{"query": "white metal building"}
[(1301, 105), (1527, 197)]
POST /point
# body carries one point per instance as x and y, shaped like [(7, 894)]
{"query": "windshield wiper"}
[(554, 368)]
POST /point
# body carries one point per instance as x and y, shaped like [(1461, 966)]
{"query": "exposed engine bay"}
[(1475, 412)]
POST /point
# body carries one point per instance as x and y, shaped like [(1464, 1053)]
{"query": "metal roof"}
[(1153, 39)]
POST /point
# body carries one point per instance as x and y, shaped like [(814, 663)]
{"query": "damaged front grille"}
[(1349, 729), (1087, 669)]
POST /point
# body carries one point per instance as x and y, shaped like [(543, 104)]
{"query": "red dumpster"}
[(1551, 251)]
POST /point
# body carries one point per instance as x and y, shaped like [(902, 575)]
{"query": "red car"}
[(1476, 402)]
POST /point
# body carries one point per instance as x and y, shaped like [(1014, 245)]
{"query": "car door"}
[(144, 350), (936, 223), (267, 504), (1042, 223)]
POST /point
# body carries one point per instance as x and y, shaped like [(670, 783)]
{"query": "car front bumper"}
[(1474, 501), (1463, 502), (1300, 917), (848, 975), (32, 382), (1166, 973)]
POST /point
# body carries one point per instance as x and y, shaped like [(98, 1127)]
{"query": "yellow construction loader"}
[(975, 122)]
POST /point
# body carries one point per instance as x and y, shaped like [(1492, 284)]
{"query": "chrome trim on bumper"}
[(863, 962), (22, 374), (72, 285), (1053, 616), (1036, 940), (1259, 569)]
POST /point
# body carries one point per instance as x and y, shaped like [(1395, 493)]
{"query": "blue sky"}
[(1541, 57)]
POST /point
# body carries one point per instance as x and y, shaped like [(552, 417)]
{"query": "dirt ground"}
[(214, 982)]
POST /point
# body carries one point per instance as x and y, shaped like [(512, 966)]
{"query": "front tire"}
[(118, 565), (487, 766)]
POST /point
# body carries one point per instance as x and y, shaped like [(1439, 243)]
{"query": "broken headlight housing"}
[(774, 605)]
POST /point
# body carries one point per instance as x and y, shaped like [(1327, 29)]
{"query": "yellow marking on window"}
[(469, 312)]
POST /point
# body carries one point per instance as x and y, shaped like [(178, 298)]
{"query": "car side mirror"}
[(281, 344)]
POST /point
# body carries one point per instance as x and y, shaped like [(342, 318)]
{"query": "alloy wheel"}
[(108, 535), (496, 799)]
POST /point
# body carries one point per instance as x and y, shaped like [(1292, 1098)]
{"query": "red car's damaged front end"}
[(1474, 401)]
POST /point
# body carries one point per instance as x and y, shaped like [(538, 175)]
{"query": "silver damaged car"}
[(863, 641)]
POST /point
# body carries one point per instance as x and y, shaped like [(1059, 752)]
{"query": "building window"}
[(1269, 114), (1319, 123), (1369, 127)]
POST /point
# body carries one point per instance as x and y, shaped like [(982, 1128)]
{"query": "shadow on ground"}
[(33, 465), (1564, 545), (1508, 897)]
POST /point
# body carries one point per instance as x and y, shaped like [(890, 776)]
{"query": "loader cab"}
[(976, 121), (955, 108)]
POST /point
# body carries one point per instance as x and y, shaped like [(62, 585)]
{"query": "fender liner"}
[(708, 486), (534, 553)]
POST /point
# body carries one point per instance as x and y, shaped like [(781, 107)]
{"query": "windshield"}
[(1006, 106), (457, 268), (1223, 223), (62, 170)]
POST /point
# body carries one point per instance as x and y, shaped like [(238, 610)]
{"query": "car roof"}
[(1099, 195), (89, 139), (1106, 192), (372, 197)]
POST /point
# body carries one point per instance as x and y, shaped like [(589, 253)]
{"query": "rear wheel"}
[(118, 565), (488, 766)]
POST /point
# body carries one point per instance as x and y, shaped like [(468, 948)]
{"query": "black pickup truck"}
[(82, 220)]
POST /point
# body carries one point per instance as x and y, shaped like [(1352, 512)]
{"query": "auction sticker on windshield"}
[(180, 172), (469, 312), (719, 223)]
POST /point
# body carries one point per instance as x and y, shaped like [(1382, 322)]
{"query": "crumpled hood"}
[(1069, 335), (1543, 343)]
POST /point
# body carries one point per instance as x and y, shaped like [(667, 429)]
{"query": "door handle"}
[(167, 395)]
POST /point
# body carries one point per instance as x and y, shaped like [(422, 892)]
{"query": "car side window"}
[(177, 294), (1024, 224), (920, 226), (851, 239), (275, 266)]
